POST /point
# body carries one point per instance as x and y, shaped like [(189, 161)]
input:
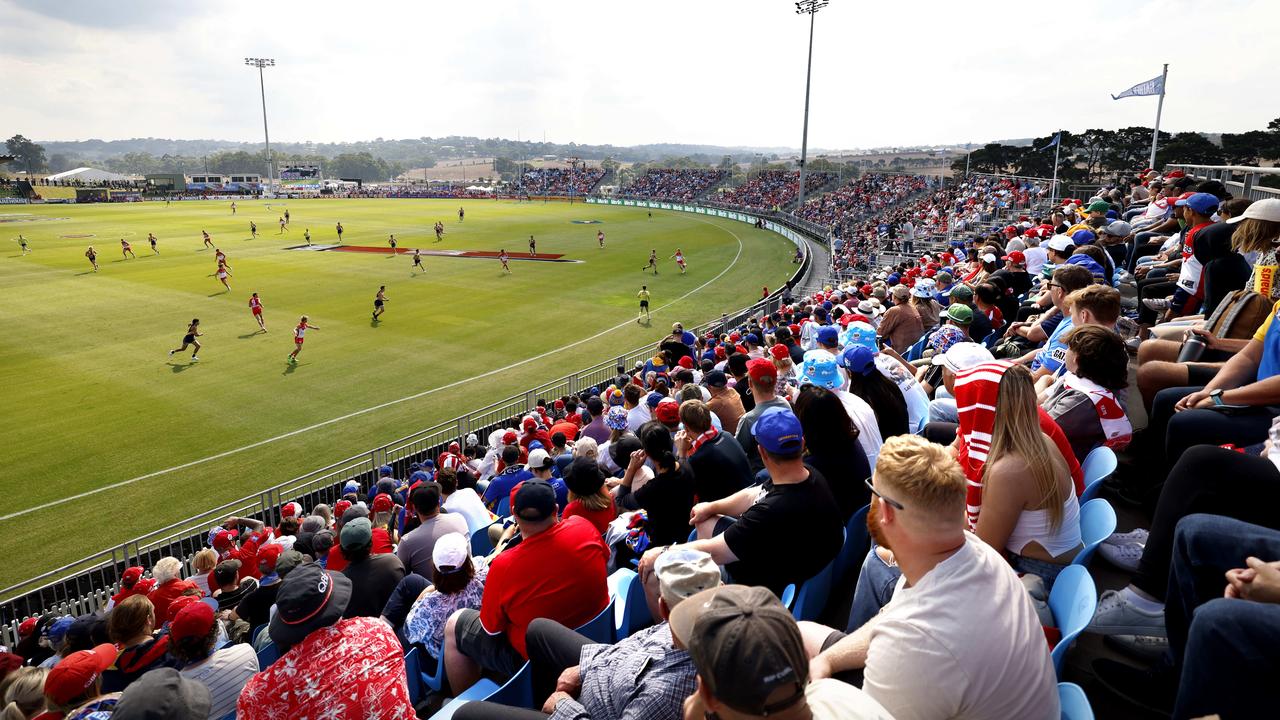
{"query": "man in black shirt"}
[(793, 509), (980, 328), (737, 367), (229, 592), (719, 463), (373, 577)]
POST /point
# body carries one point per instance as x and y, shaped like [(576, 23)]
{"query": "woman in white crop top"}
[(1029, 507)]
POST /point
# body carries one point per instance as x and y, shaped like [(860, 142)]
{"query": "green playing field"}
[(93, 402)]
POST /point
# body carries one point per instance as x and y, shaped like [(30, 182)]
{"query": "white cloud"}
[(719, 72)]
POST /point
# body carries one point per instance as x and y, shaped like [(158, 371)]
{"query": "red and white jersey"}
[(221, 256), (255, 305), (679, 258), (502, 257), (450, 461), (301, 330)]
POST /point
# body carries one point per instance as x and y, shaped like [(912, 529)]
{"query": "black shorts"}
[(493, 653), (644, 303), (377, 303), (1200, 373), (188, 339)]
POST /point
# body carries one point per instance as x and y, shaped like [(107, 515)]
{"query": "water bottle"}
[(1192, 348)]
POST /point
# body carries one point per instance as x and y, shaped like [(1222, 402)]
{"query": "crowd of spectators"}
[(952, 398), (842, 209), (771, 190), (560, 181), (671, 184)]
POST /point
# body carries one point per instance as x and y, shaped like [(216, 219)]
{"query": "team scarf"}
[(703, 439), (1115, 424), (976, 391)]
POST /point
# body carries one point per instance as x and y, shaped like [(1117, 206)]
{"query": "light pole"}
[(261, 63), (810, 8)]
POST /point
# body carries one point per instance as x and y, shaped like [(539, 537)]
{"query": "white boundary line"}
[(374, 408)]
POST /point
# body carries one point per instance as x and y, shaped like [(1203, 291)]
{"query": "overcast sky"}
[(696, 71)]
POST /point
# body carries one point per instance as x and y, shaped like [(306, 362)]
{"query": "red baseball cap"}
[(193, 620), (509, 437), (75, 675), (224, 540), (558, 404), (735, 337), (1017, 256), (383, 503), (529, 424), (762, 371), (268, 555), (795, 330), (780, 351), (130, 577), (27, 627), (290, 509), (667, 412), (686, 362), (341, 507), (177, 604), (721, 353), (1011, 230)]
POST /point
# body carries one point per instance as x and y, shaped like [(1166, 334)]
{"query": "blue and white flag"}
[(1056, 139), (1154, 86)]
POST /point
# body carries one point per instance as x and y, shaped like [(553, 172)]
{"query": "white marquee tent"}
[(89, 175)]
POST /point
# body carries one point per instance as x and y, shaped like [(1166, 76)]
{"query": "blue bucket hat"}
[(859, 333), (820, 368), (858, 359)]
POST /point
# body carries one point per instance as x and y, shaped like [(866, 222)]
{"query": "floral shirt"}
[(352, 669), (425, 623)]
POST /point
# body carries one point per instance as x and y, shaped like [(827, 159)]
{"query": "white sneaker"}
[(1124, 556), (1156, 304), (1141, 647), (1117, 616), (1137, 535)]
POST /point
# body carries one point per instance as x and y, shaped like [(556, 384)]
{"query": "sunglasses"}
[(888, 501)]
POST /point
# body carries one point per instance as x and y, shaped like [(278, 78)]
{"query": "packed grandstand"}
[(891, 493)]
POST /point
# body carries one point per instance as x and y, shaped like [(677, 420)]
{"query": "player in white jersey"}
[(679, 258)]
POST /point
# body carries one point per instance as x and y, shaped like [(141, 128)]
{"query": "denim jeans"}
[(1048, 571), (874, 590), (1228, 650)]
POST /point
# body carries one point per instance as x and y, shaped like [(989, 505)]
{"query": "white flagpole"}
[(1155, 134), (1053, 192)]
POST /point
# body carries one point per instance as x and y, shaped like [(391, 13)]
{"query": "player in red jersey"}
[(125, 250), (255, 307), (298, 334), (679, 258), (502, 256), (223, 274)]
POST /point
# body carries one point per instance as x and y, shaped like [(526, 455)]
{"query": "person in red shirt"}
[(588, 497), (566, 426), (169, 584), (533, 432), (255, 306), (557, 571), (298, 337)]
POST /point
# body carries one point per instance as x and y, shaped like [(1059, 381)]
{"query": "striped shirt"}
[(225, 673)]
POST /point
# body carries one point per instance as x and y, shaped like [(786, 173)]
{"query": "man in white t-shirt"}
[(960, 637)]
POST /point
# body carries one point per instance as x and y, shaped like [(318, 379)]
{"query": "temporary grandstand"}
[(87, 175)]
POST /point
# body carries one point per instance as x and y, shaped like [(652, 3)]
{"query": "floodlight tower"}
[(810, 8), (261, 63)]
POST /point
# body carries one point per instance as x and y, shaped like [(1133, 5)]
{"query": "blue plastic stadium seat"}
[(268, 655), (480, 543), (516, 692), (433, 681), (600, 627), (1075, 706), (1097, 522), (413, 675), (631, 611), (504, 507), (1072, 601), (1097, 466), (812, 597), (856, 545)]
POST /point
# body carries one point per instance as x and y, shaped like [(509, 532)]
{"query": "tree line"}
[(1096, 155)]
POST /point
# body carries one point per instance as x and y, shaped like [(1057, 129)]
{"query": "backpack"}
[(1239, 315)]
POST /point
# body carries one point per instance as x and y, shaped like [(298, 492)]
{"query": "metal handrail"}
[(85, 585)]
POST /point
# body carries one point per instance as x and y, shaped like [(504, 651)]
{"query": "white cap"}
[(963, 356), (1268, 210), (472, 440), (451, 551), (1060, 243), (539, 460), (989, 257)]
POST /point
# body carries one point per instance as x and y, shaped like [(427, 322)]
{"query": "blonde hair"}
[(205, 560), (166, 569), (586, 447), (1255, 235), (922, 475), (24, 697), (1017, 433), (324, 512), (598, 500)]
